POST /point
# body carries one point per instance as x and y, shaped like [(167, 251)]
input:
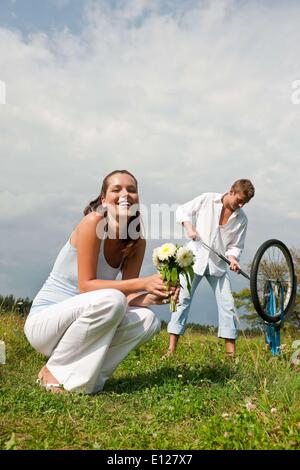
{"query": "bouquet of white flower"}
[(171, 261)]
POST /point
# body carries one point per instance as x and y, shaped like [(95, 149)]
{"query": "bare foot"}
[(46, 377), (169, 353), (41, 372), (230, 354)]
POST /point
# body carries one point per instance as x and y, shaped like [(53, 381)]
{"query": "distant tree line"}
[(12, 305), (243, 301), (205, 329)]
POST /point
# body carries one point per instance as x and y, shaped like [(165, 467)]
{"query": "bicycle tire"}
[(254, 280)]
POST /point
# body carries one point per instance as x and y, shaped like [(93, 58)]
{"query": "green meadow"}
[(197, 399)]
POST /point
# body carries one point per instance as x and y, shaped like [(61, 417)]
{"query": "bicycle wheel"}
[(273, 265)]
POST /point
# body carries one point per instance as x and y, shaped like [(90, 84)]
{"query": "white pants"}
[(87, 336), (225, 302)]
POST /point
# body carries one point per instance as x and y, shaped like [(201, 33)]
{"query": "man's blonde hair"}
[(244, 186)]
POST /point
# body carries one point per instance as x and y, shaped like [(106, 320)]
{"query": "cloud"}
[(189, 96)]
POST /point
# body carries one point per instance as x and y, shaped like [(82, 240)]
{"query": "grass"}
[(196, 400)]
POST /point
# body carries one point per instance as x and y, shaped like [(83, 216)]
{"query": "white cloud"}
[(189, 99)]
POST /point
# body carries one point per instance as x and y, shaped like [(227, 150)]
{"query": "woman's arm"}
[(132, 265), (88, 247), (131, 270)]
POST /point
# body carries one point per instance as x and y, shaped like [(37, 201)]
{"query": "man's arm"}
[(191, 230), (236, 246), (185, 213)]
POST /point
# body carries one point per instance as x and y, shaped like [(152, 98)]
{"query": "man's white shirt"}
[(227, 239)]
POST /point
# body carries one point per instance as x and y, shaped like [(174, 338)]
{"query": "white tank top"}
[(62, 282)]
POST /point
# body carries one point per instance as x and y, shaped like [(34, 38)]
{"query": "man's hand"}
[(193, 234), (191, 231), (234, 265)]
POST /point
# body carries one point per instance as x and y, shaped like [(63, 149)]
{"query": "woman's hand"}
[(155, 285), (152, 299)]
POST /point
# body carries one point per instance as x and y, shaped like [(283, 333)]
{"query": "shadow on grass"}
[(169, 376)]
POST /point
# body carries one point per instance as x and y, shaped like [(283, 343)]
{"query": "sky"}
[(187, 95)]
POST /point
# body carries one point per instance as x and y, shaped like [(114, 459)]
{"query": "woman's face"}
[(121, 193)]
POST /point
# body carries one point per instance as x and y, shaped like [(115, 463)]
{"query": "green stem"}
[(173, 306)]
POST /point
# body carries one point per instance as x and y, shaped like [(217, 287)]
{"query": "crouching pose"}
[(83, 318)]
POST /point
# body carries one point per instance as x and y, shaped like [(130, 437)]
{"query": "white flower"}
[(166, 251), (184, 257), (250, 406), (155, 258)]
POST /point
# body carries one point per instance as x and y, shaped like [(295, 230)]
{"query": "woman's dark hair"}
[(129, 243)]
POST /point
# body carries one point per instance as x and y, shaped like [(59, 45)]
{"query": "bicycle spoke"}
[(272, 275)]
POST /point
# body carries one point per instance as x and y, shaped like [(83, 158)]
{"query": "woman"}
[(84, 319)]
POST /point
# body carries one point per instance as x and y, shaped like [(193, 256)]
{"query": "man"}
[(220, 223)]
